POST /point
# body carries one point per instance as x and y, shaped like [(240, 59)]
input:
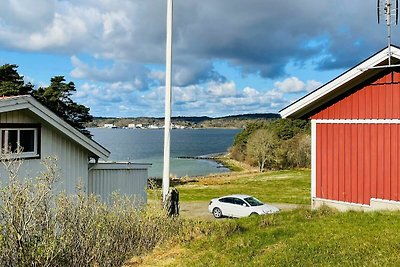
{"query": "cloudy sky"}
[(230, 56)]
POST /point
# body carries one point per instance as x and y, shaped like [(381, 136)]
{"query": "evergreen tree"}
[(11, 83), (57, 97)]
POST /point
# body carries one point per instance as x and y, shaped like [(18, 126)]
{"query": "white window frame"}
[(30, 154)]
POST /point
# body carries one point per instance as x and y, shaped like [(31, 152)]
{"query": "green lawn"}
[(290, 238), (274, 187), (298, 238)]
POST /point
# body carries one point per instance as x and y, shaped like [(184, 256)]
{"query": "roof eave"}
[(314, 99), (29, 103), (92, 146)]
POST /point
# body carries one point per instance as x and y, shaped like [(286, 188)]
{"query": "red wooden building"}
[(355, 121)]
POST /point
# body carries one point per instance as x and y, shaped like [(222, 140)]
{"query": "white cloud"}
[(134, 31), (222, 89), (60, 33), (115, 24), (27, 14), (123, 75), (122, 38), (199, 100), (189, 94), (124, 87), (157, 75), (312, 85), (294, 85), (211, 99), (290, 85), (80, 68), (251, 92)]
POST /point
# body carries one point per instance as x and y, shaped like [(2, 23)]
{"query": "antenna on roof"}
[(388, 9)]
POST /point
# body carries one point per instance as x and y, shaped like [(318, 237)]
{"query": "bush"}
[(261, 149), (296, 152), (289, 144), (238, 150), (39, 227)]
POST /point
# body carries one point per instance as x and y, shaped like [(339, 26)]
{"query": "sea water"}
[(146, 146)]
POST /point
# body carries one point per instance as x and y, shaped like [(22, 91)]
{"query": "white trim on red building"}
[(310, 103), (340, 84)]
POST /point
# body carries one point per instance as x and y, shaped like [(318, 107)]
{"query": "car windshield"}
[(253, 201)]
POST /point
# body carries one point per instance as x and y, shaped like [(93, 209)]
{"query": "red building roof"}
[(356, 76)]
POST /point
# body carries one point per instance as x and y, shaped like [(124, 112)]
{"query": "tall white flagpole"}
[(168, 94)]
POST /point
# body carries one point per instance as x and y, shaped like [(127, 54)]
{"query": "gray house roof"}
[(26, 102)]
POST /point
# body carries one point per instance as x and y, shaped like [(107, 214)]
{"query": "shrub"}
[(277, 144), (39, 227), (238, 150), (295, 152), (261, 149)]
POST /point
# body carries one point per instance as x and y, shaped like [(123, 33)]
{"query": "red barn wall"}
[(378, 100), (359, 161)]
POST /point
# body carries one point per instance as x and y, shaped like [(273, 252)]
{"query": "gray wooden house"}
[(41, 133)]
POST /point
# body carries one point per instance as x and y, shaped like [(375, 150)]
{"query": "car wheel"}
[(254, 214), (217, 213)]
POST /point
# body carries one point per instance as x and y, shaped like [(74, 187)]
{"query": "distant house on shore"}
[(355, 132), (109, 125), (41, 133)]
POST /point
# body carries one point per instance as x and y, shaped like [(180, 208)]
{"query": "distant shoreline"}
[(202, 122), (234, 167), (217, 159)]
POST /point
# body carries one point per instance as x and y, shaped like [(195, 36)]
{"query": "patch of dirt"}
[(195, 210)]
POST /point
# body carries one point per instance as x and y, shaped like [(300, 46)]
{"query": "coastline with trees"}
[(201, 122), (274, 145)]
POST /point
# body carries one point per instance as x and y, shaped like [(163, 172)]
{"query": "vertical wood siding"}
[(130, 182), (72, 159), (377, 100), (357, 162)]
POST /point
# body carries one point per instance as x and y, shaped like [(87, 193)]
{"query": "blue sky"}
[(230, 56)]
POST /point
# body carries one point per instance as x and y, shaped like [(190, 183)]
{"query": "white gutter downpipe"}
[(168, 96)]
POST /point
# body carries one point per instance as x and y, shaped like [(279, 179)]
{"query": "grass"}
[(299, 237), (274, 187), (293, 238), (229, 163)]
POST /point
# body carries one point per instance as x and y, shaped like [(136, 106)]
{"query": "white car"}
[(239, 206)]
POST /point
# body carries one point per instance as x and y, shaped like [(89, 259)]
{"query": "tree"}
[(57, 97), (284, 130), (238, 150), (296, 152), (261, 149), (11, 83)]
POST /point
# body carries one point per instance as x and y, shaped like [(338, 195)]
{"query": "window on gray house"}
[(25, 138)]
